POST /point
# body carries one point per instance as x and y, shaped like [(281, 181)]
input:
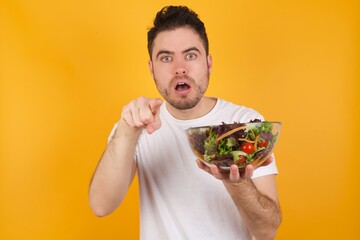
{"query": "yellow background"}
[(67, 67)]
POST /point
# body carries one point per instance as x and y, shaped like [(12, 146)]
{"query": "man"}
[(180, 199)]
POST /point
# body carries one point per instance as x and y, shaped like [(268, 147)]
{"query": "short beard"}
[(185, 103)]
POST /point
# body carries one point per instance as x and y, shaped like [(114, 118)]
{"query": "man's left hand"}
[(235, 175)]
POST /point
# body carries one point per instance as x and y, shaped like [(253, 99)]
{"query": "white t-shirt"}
[(178, 200)]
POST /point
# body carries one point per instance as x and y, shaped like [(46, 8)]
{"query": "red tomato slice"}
[(242, 159), (262, 144)]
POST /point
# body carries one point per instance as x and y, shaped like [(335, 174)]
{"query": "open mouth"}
[(182, 86)]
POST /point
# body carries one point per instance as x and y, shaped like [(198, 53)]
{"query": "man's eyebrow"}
[(164, 51), (191, 49), (171, 52)]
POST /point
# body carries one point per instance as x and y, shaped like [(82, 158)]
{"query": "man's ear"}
[(209, 62), (151, 68)]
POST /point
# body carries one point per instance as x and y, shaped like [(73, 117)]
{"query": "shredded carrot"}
[(246, 140), (256, 142), (230, 132)]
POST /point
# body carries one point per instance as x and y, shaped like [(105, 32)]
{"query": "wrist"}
[(240, 186), (126, 132)]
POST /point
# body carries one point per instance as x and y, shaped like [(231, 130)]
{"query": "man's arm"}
[(256, 200), (116, 168), (114, 173), (260, 211)]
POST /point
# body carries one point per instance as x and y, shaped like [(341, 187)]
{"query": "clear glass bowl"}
[(236, 143)]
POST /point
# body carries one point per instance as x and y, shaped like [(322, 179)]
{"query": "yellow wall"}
[(67, 67)]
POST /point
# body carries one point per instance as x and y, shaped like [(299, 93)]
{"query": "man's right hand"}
[(142, 113)]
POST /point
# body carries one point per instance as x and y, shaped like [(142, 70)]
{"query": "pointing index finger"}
[(155, 105)]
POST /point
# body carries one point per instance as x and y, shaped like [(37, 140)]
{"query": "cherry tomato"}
[(247, 147), (242, 159), (262, 143)]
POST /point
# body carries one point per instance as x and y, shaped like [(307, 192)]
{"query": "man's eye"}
[(166, 59), (191, 56)]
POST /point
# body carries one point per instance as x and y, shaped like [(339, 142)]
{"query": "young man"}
[(181, 199)]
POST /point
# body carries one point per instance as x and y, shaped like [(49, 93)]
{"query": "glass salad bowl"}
[(235, 143)]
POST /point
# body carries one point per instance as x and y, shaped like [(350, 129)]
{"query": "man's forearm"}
[(261, 214), (113, 174)]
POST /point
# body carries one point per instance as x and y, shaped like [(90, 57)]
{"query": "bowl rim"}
[(239, 124)]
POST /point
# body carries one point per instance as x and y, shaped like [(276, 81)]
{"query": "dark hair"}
[(172, 17)]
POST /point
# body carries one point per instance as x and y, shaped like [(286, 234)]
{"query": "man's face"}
[(180, 67)]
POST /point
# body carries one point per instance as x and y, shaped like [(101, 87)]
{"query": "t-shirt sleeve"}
[(266, 170), (113, 131)]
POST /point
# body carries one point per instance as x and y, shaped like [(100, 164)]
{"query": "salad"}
[(237, 143)]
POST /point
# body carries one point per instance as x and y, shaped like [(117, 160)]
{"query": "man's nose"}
[(180, 67), (180, 71)]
